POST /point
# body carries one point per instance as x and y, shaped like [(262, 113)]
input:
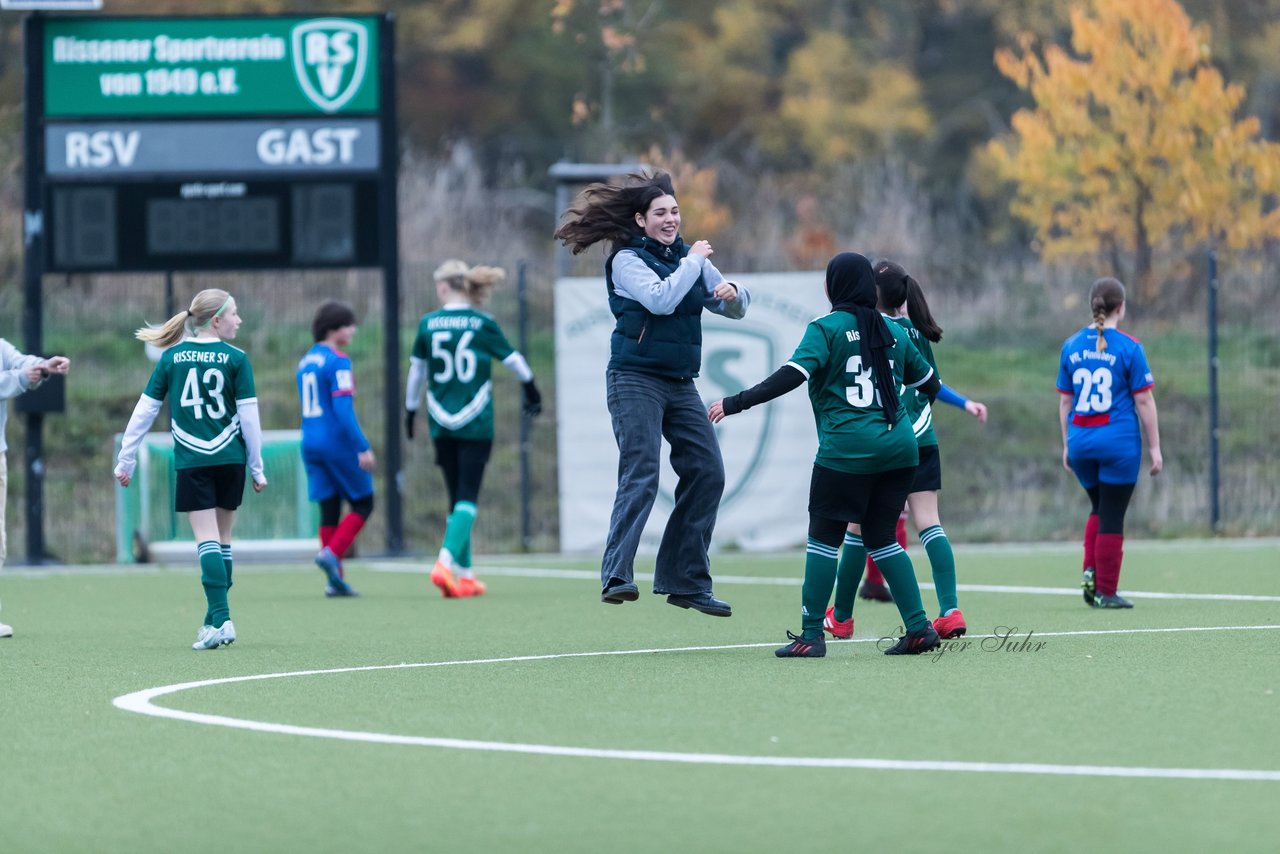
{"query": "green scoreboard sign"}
[(210, 66), (213, 143)]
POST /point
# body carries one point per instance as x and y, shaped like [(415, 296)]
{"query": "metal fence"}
[(1003, 325), (92, 318)]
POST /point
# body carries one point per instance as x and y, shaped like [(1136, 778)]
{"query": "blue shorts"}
[(327, 477), (1117, 469)]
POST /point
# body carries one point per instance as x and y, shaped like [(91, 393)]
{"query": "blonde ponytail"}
[(480, 281), (206, 305)]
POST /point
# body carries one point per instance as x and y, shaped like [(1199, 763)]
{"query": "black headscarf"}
[(851, 286)]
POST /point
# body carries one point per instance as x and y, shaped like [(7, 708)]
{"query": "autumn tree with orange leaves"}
[(1133, 151)]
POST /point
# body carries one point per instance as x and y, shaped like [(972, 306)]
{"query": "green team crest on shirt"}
[(734, 358)]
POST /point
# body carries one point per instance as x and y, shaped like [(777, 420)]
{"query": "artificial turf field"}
[(1059, 747)]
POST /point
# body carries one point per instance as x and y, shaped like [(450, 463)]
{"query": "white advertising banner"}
[(768, 451)]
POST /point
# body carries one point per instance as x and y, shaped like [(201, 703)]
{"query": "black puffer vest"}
[(666, 345)]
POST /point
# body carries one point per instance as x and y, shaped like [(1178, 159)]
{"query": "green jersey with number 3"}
[(459, 346), (853, 435), (919, 409), (206, 377)]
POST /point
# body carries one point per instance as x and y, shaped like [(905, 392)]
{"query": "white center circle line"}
[(141, 703)]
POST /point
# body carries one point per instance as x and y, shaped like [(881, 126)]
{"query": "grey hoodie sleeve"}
[(633, 279), (734, 309), (13, 370)]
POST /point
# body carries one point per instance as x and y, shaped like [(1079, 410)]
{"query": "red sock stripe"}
[(345, 535)]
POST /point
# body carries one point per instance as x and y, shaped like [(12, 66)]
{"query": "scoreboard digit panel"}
[(227, 225)]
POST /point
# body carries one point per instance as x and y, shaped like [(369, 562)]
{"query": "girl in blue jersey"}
[(336, 453), (1106, 392)]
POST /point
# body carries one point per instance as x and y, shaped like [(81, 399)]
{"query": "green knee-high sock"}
[(457, 531), (213, 575), (464, 559), (853, 559), (819, 578), (943, 562), (901, 577), (226, 561)]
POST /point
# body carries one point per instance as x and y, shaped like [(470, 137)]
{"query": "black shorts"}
[(873, 500), (207, 487), (929, 472), (463, 462)]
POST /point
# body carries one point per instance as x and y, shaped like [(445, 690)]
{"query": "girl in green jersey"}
[(452, 361), (902, 300), (213, 415), (853, 361)]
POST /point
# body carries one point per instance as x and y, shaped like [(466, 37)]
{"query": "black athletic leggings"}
[(463, 462), (1109, 503), (331, 509)]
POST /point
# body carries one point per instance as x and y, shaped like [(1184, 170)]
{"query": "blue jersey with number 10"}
[(1102, 385), (326, 389)]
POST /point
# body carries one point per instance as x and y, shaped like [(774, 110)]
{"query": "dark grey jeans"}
[(645, 409)]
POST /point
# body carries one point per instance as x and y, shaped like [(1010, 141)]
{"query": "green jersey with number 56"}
[(853, 435), (204, 378), (459, 344)]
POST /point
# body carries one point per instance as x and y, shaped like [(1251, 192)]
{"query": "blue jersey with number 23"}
[(1102, 383)]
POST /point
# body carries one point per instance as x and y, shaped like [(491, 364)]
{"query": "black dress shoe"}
[(704, 602), (619, 592)]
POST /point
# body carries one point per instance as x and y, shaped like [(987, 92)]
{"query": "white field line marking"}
[(140, 702), (767, 581)]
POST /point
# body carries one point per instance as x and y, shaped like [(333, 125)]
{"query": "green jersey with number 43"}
[(919, 409), (206, 378), (459, 346), (853, 435)]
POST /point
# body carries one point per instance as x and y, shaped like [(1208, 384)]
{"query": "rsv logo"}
[(330, 56)]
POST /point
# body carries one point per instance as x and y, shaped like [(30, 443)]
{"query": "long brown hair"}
[(608, 211), (205, 306), (894, 286), (1106, 295)]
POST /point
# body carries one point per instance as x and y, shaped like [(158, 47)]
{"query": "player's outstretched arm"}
[(777, 384)]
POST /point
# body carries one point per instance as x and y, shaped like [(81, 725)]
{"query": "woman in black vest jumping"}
[(658, 287)]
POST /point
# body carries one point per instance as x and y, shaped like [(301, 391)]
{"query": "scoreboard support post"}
[(389, 252), (33, 235)]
